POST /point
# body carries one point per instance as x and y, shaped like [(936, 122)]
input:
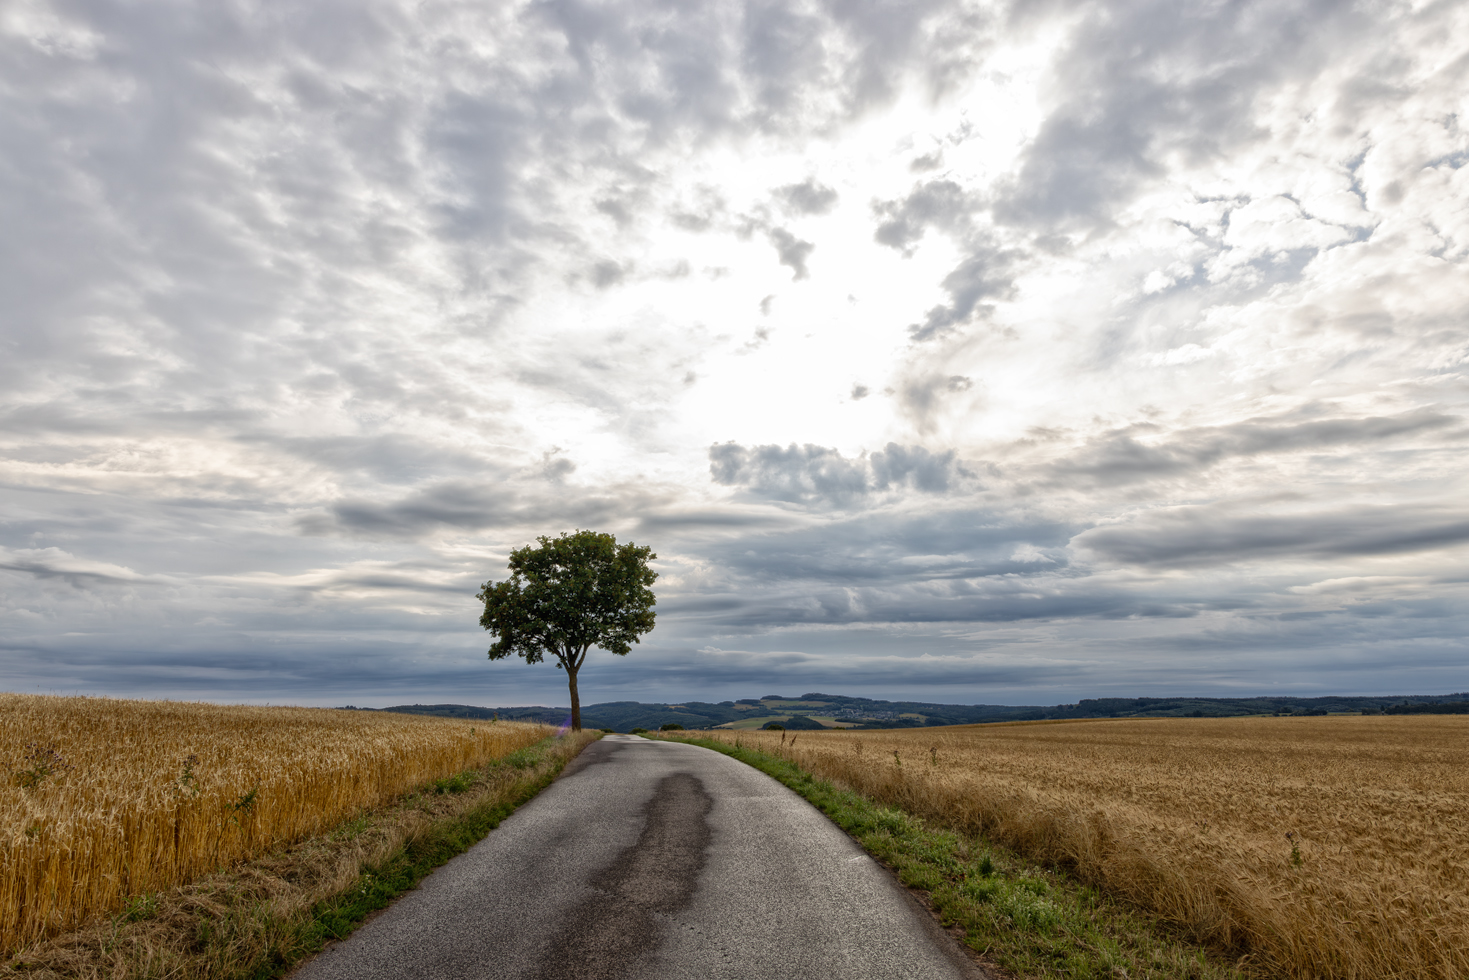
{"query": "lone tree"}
[(574, 592)]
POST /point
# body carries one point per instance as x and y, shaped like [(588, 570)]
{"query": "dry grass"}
[(263, 915), (1189, 818), (108, 799)]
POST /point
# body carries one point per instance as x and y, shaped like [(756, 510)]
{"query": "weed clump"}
[(41, 763), (453, 784)]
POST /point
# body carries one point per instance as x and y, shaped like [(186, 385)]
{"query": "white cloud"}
[(1187, 354), (1029, 554)]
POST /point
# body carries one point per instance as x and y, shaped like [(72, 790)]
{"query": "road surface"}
[(654, 861)]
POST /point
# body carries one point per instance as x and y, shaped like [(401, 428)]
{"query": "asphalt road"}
[(654, 861)]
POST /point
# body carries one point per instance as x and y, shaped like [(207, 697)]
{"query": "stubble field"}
[(106, 799), (1312, 847)]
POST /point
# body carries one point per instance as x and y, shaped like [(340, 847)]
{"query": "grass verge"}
[(1027, 920), (258, 919)]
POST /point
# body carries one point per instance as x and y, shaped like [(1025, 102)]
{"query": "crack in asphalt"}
[(613, 931)]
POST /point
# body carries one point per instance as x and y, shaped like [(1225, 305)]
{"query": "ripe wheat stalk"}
[(106, 799), (1317, 847)]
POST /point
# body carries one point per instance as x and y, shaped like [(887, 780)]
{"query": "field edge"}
[(1020, 919), (250, 923)]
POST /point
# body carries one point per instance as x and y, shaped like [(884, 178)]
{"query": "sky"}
[(960, 352)]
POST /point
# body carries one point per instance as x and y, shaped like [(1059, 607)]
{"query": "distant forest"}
[(623, 716)]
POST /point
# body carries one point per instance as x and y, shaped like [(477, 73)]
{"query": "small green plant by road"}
[(140, 908), (453, 784)]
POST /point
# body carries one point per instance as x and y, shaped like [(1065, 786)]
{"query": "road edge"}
[(986, 898), (948, 937), (263, 919)]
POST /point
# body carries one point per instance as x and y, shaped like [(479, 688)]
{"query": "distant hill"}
[(1436, 708), (624, 716)]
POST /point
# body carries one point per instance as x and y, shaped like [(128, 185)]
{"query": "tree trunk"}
[(575, 700)]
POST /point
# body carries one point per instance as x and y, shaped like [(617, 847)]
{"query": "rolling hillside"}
[(624, 716)]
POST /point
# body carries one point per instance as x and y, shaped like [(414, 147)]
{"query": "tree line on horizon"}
[(623, 716)]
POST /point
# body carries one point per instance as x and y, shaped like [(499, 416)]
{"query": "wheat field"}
[(107, 799), (1332, 847)]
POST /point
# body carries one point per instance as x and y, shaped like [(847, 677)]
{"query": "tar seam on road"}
[(656, 877)]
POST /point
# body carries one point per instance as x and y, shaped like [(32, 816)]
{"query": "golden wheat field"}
[(111, 798), (1318, 847)]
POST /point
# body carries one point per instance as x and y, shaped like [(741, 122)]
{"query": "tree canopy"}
[(573, 592)]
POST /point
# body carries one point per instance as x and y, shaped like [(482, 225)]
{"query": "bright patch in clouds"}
[(941, 350)]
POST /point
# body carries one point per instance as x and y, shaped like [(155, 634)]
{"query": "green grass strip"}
[(378, 885), (1031, 921)]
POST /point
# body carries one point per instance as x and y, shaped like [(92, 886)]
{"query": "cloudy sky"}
[(970, 352)]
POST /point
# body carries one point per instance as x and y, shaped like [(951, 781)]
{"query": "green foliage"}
[(453, 784), (244, 806), (140, 908), (187, 784), (522, 758), (639, 731), (1439, 708), (672, 726), (606, 731), (774, 726), (572, 593), (353, 828)]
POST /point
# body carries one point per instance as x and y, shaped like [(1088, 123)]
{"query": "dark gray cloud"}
[(817, 474), (1121, 457), (923, 394), (903, 567), (464, 506), (940, 204), (54, 563), (985, 275), (793, 473), (793, 251), (1190, 536), (606, 274), (987, 271), (1146, 80), (1142, 84), (810, 196), (393, 459), (898, 465)]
